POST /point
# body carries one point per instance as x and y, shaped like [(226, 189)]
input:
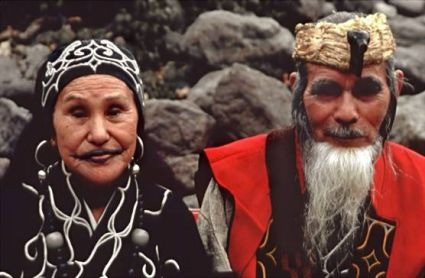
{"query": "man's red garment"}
[(398, 197)]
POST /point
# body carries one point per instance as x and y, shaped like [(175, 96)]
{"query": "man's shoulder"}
[(407, 168), (246, 147), (405, 157)]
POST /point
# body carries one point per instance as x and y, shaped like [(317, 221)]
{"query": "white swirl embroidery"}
[(92, 55)]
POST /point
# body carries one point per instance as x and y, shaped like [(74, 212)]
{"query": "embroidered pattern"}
[(36, 251), (92, 55)]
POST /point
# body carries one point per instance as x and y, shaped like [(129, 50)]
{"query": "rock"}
[(413, 68), (388, 10), (328, 8), (13, 119), (9, 70), (35, 56), (172, 42), (243, 101), (60, 37), (184, 168), (177, 127), (312, 9), (409, 123), (354, 6), (13, 85), (20, 91), (220, 38), (410, 7), (4, 165), (5, 48), (408, 31)]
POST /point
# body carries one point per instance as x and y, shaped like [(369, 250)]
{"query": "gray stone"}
[(327, 8), (9, 70), (363, 6), (408, 31), (388, 10), (5, 48), (19, 90), (203, 92), (62, 36), (12, 84), (409, 124), (14, 120), (4, 165), (220, 38), (312, 9), (243, 101), (177, 127), (409, 7), (184, 168), (409, 60), (35, 56)]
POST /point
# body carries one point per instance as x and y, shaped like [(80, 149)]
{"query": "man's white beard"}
[(338, 181)]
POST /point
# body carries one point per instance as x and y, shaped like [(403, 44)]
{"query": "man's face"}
[(343, 109)]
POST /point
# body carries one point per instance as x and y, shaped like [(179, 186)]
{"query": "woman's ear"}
[(399, 81), (53, 142), (293, 77)]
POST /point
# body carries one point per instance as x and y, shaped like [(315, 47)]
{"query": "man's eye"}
[(326, 88), (366, 87)]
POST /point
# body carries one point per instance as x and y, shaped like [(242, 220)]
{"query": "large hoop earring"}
[(140, 149), (42, 174), (36, 154)]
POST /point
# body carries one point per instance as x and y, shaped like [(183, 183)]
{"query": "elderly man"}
[(329, 197)]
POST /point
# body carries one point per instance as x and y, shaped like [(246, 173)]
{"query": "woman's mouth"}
[(99, 155), (99, 158)]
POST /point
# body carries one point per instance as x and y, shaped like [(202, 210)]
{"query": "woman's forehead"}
[(99, 85)]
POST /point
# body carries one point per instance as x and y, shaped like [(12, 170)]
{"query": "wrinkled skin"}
[(96, 113), (344, 109)]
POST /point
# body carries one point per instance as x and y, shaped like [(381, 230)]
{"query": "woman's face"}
[(95, 123)]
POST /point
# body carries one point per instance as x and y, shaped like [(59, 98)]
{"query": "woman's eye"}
[(114, 111), (78, 112)]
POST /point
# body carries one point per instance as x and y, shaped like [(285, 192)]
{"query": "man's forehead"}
[(316, 71)]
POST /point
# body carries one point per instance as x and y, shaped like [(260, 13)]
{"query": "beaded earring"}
[(139, 236), (54, 239)]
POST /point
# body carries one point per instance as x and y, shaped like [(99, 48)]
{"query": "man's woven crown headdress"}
[(328, 43)]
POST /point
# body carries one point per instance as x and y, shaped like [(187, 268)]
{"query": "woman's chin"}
[(102, 178)]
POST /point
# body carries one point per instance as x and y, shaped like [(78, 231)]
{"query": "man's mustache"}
[(344, 132), (98, 152)]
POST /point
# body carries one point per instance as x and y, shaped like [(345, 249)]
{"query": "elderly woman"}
[(75, 204)]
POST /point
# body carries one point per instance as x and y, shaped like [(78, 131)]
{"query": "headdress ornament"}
[(85, 57), (337, 44)]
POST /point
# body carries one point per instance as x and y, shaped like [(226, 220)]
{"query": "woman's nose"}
[(98, 133), (346, 113)]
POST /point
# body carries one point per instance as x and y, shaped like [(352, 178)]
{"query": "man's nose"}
[(98, 131), (346, 112)]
